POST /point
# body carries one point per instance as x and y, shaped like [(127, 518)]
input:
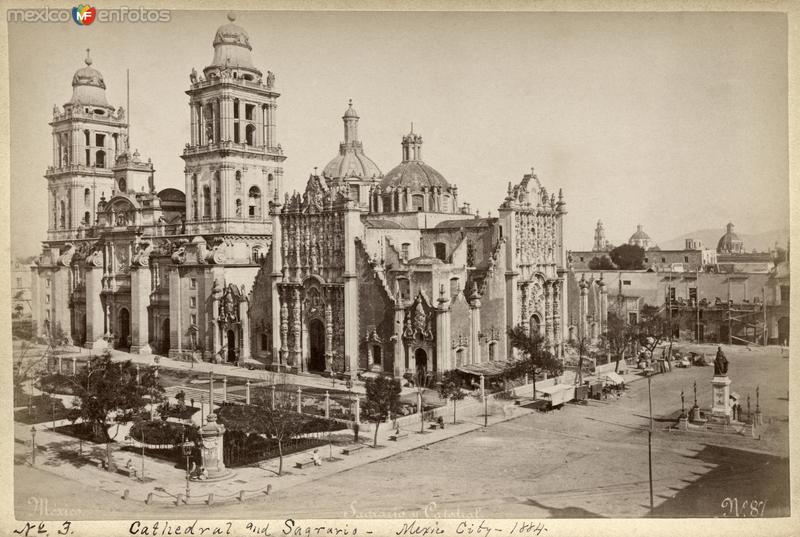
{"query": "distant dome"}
[(640, 238), (730, 243), (350, 112), (88, 86)]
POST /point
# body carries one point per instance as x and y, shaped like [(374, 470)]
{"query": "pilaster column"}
[(328, 335), (548, 304), (557, 325), (350, 300), (244, 315), (247, 392), (583, 329), (140, 300), (443, 358), (397, 339), (94, 305), (475, 327), (284, 329), (296, 327)]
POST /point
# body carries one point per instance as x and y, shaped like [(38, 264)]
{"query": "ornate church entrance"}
[(421, 363), (316, 337), (231, 345), (124, 328)]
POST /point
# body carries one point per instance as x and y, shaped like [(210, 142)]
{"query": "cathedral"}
[(362, 271)]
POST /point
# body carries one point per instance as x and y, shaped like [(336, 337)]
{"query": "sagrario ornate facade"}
[(360, 271)]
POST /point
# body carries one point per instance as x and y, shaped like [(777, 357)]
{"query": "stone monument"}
[(721, 389), (211, 434)]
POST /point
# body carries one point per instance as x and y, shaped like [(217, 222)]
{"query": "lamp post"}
[(485, 402), (683, 405), (33, 445), (650, 441), (187, 450)]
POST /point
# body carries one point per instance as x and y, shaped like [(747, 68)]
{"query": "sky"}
[(676, 121)]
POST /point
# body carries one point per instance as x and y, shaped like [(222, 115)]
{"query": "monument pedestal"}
[(211, 434), (721, 403)]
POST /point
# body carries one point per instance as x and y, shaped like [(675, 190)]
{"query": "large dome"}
[(88, 86), (415, 175), (351, 162), (412, 173)]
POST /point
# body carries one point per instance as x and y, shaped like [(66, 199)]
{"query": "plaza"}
[(583, 461)]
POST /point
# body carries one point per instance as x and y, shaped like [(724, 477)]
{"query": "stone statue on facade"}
[(270, 79), (720, 364), (193, 76)]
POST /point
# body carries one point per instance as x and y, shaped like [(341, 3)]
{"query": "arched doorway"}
[(231, 344), (535, 325), (124, 327), (165, 336), (783, 331), (316, 342), (421, 363)]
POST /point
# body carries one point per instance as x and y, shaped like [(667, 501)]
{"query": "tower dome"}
[(730, 243), (232, 48), (351, 162), (88, 86)]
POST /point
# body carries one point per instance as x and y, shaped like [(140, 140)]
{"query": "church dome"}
[(730, 242), (412, 172), (88, 86), (351, 162), (640, 235), (414, 175), (232, 46)]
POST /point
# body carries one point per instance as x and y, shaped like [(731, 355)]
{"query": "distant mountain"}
[(761, 242)]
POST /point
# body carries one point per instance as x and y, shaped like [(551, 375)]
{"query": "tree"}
[(616, 337), (383, 399), (281, 420), (538, 358), (581, 344), (602, 262), (108, 389), (651, 328), (450, 388), (628, 257)]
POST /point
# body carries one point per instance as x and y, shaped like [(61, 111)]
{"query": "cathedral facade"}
[(361, 271)]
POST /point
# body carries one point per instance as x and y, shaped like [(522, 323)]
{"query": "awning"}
[(735, 396), (613, 378)]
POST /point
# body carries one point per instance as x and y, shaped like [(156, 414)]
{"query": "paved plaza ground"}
[(582, 461)]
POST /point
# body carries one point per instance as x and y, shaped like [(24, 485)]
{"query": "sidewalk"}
[(60, 457)]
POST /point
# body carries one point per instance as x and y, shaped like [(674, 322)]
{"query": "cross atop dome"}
[(88, 59)]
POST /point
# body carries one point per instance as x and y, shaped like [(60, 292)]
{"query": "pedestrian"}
[(440, 421), (316, 459)]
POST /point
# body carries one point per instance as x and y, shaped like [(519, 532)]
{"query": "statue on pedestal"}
[(720, 364)]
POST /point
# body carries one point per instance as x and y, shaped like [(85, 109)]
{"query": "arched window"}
[(455, 287), (87, 196), (217, 196), (417, 202), (355, 193), (206, 201), (492, 351), (404, 251), (254, 202), (404, 287), (194, 196), (63, 215), (87, 218), (87, 138), (535, 325), (250, 134), (100, 159), (271, 186)]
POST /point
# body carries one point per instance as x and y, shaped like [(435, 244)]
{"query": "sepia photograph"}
[(441, 272)]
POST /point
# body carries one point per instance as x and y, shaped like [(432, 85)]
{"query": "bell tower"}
[(88, 135), (233, 161)]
